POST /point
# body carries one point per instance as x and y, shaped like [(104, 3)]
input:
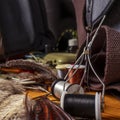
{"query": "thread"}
[(75, 73), (83, 106), (57, 88), (61, 70)]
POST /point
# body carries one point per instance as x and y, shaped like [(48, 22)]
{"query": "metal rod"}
[(96, 32), (85, 54)]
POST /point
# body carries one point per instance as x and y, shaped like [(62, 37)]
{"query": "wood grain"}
[(112, 108)]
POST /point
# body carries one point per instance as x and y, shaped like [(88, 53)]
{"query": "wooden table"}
[(111, 109)]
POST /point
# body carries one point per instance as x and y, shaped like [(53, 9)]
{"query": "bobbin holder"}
[(85, 56)]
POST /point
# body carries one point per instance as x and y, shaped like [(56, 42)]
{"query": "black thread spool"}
[(57, 88), (82, 105)]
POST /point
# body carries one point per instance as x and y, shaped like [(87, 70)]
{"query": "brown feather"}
[(28, 65), (44, 109), (11, 101), (32, 73)]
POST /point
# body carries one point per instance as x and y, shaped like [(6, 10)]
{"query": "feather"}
[(13, 108), (31, 73), (44, 109), (28, 65), (10, 86), (12, 105)]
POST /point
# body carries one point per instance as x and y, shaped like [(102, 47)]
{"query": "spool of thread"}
[(81, 105), (61, 70), (78, 75), (58, 87)]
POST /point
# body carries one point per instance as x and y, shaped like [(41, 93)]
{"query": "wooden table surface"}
[(111, 109)]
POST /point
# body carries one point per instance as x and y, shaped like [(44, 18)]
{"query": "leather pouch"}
[(105, 49), (105, 58)]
